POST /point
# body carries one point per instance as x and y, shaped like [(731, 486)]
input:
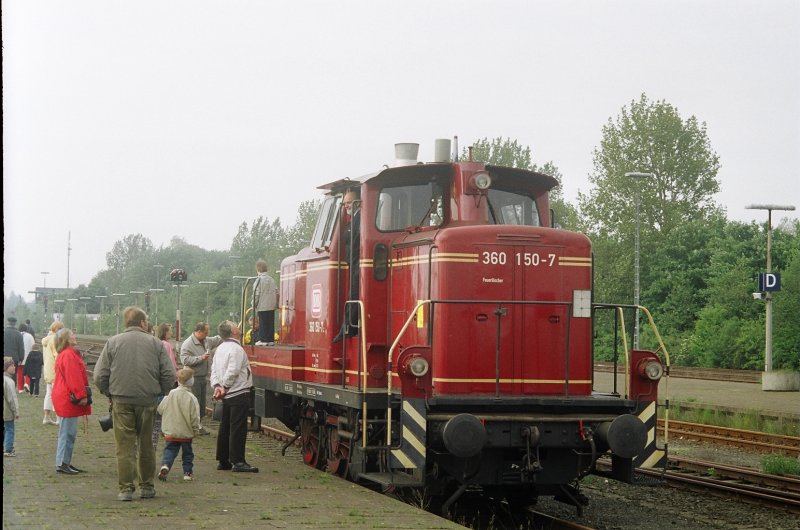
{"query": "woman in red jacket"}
[(70, 398)]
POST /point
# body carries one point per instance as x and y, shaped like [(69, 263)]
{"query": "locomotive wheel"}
[(338, 453), (310, 439)]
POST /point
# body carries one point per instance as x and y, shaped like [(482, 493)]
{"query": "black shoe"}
[(74, 468), (66, 470), (224, 466), (244, 467)]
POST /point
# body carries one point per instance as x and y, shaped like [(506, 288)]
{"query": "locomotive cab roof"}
[(538, 180)]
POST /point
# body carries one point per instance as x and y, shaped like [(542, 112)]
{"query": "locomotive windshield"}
[(411, 205), (511, 208), (327, 218)]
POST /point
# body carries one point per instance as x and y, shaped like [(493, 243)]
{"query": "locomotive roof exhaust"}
[(405, 154)]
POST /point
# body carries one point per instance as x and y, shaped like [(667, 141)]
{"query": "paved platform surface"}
[(746, 396), (284, 494)]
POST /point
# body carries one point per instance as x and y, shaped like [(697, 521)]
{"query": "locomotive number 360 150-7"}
[(529, 259)]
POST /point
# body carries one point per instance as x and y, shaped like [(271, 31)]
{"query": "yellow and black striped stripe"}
[(412, 454), (652, 456)]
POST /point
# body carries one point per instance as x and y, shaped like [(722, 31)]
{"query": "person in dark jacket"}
[(13, 345), (33, 369)]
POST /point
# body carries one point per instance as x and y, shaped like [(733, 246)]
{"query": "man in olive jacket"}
[(133, 370)]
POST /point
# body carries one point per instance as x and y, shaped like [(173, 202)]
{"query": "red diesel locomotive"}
[(467, 358)]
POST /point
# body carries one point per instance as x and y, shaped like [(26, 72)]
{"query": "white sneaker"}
[(9, 453), (261, 343), (162, 474), (45, 421), (187, 477)]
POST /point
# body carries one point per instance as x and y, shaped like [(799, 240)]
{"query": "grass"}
[(749, 420), (780, 465)]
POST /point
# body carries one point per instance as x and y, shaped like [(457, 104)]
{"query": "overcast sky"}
[(187, 118)]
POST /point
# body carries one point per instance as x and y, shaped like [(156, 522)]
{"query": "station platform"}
[(720, 394), (284, 494)]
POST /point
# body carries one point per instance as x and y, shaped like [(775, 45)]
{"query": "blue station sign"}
[(769, 281)]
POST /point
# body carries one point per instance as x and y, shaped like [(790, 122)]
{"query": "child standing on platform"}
[(180, 423), (33, 369), (10, 406)]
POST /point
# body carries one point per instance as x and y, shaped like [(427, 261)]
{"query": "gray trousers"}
[(199, 389)]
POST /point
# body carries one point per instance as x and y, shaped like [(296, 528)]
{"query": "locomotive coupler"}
[(530, 462)]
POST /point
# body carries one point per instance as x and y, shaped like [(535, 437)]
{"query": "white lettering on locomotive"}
[(493, 280), (528, 259)]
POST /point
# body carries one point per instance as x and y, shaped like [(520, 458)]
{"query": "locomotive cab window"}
[(511, 208), (325, 223), (411, 205)]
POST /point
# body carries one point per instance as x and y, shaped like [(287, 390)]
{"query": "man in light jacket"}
[(133, 370), (194, 354), (232, 380)]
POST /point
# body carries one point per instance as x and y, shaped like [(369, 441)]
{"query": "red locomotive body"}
[(471, 361)]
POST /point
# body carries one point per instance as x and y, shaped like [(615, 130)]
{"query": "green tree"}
[(125, 251), (653, 138)]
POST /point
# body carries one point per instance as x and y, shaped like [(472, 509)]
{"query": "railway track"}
[(749, 440), (776, 491)]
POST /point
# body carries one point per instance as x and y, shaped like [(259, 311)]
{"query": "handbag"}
[(75, 401)]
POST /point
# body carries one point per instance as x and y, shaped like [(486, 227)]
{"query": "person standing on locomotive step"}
[(232, 381), (70, 398), (352, 238), (49, 352), (133, 370), (265, 299), (194, 354)]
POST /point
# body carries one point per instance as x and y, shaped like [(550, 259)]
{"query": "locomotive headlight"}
[(418, 366), (651, 369), (481, 181)]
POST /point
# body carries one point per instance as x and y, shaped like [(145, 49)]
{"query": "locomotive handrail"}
[(363, 367), (661, 347), (410, 318)]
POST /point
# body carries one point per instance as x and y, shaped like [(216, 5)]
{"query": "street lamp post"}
[(85, 316), (208, 284), (155, 299), (102, 298), (118, 296), (136, 297), (768, 296), (61, 309), (637, 200), (72, 305), (157, 267), (44, 278)]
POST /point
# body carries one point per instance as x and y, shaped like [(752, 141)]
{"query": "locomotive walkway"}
[(285, 494)]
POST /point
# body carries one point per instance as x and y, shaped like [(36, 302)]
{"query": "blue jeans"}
[(67, 432), (171, 453), (9, 428)]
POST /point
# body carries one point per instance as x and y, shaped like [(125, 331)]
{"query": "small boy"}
[(180, 422), (33, 369), (10, 406)]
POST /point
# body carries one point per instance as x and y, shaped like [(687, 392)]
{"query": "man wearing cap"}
[(13, 345)]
